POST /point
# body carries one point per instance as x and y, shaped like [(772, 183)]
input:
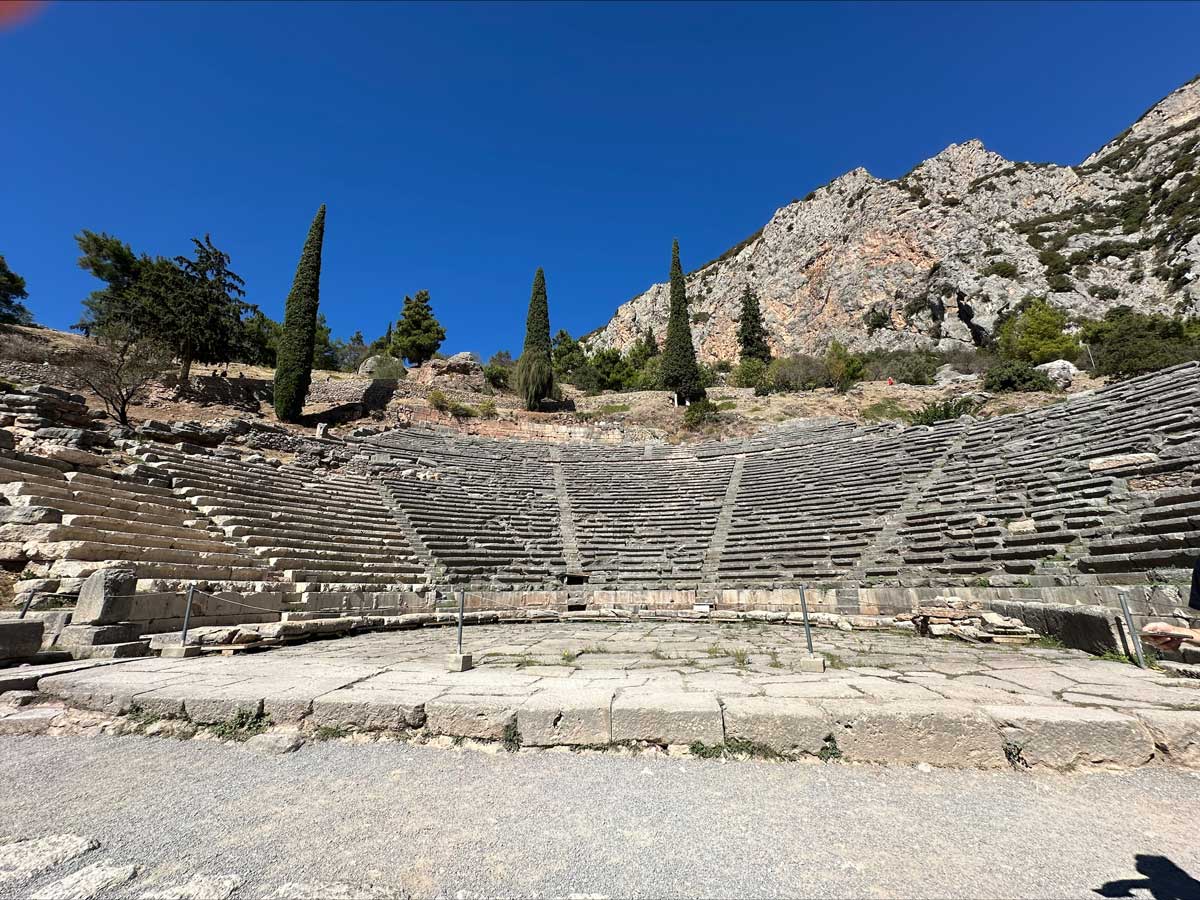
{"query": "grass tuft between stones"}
[(242, 726)]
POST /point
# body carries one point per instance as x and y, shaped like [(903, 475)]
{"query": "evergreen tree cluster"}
[(193, 305)]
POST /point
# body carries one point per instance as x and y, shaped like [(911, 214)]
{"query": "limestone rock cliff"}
[(933, 259)]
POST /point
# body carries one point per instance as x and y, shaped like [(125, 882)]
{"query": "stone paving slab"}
[(886, 697)]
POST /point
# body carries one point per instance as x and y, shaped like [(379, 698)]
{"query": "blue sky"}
[(458, 147)]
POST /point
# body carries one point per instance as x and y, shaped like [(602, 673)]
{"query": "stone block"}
[(908, 732), (812, 664), (29, 515), (481, 717), (105, 596), (572, 716), (33, 720), (90, 635), (374, 709), (1176, 734), (458, 662), (790, 727), (20, 638), (1066, 737), (665, 716)]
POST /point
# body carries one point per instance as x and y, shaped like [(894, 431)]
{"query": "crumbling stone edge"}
[(924, 734)]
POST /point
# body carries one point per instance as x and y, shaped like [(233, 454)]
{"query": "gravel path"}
[(424, 821)]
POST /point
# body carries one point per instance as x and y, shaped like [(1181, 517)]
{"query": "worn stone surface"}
[(788, 726), (1176, 734), (897, 697), (664, 716), (87, 882), (477, 716), (104, 597), (568, 716), (905, 732), (198, 887), (276, 743), (20, 638), (22, 860), (1064, 737)]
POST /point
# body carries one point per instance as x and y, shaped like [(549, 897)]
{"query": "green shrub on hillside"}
[(1003, 268), (1012, 376), (903, 366), (1126, 343), (700, 413), (750, 373), (943, 410), (1036, 334), (801, 372), (845, 369)]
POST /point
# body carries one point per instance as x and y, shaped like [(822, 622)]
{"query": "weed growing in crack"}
[(242, 726), (829, 749)]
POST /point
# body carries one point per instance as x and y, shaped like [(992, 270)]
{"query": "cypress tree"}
[(680, 373), (752, 334), (293, 370), (535, 374)]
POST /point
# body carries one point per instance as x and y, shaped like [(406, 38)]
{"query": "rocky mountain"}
[(936, 258)]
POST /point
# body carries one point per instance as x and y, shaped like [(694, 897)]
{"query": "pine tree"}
[(535, 374), (12, 292), (650, 342), (752, 334), (418, 334), (293, 372), (680, 373)]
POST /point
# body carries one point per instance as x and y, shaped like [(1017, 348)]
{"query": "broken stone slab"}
[(1067, 737), (374, 709), (276, 743), (20, 638), (666, 716), (88, 882), (908, 732), (33, 720), (790, 727), (1121, 461), (105, 597), (1176, 734), (24, 860), (198, 887), (571, 716), (484, 718)]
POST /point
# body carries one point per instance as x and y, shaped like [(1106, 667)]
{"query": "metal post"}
[(187, 615), (807, 627), (1133, 635), (25, 606), (462, 599)]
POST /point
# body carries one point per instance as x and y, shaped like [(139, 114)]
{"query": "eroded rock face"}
[(933, 259)]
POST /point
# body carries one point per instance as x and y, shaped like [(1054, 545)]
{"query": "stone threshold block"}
[(481, 717), (909, 732), (1067, 737), (1176, 734), (789, 727), (375, 709), (665, 716), (567, 716)]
